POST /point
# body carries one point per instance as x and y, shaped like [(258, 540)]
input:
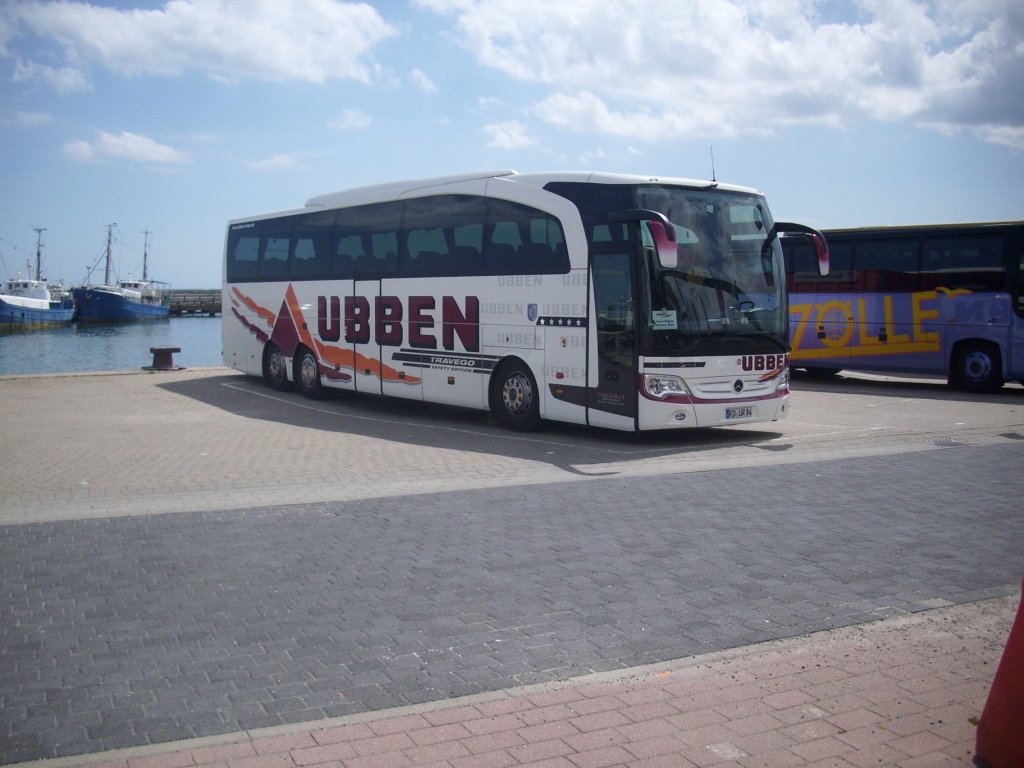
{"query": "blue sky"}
[(173, 117)]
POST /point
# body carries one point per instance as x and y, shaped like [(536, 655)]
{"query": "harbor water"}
[(110, 346)]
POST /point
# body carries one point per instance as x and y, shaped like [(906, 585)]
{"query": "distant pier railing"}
[(195, 303)]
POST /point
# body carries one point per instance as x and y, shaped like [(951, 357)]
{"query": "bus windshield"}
[(724, 282)]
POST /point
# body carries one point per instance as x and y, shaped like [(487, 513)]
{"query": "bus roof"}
[(917, 229), (397, 189)]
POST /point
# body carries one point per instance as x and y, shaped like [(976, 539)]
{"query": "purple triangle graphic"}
[(285, 336)]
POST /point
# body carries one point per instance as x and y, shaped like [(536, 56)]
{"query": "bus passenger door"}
[(611, 385), (401, 367), (332, 345), (359, 329)]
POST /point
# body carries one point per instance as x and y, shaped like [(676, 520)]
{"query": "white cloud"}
[(489, 102), (61, 79), (313, 40), (280, 162), (508, 135), (422, 81), (351, 120), (657, 70), (6, 33), (32, 119), (125, 146)]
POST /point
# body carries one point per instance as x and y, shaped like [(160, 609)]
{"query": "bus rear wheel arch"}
[(307, 374), (514, 396), (977, 366), (275, 368)]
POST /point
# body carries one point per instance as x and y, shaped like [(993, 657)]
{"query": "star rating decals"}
[(563, 322)]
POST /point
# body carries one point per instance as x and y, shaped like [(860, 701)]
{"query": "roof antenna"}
[(713, 163)]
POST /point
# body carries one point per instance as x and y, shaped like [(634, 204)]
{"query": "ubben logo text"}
[(763, 362), (429, 326)]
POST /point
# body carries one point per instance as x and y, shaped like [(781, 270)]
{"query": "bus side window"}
[(964, 263), (461, 223), (274, 249), (304, 262), (243, 253), (522, 241), (384, 251), (426, 253), (503, 248), (890, 265), (368, 240), (423, 248), (311, 238), (468, 247), (802, 266), (348, 254), (545, 252), (797, 252)]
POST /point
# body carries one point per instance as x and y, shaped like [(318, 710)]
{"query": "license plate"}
[(739, 413)]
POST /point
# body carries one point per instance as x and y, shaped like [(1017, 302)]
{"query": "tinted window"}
[(243, 252), (887, 265), (523, 240), (802, 265), (312, 236), (443, 235), (594, 201), (274, 248), (438, 235), (971, 263), (367, 240)]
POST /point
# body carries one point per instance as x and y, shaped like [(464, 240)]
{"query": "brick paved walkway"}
[(305, 563), (900, 692)]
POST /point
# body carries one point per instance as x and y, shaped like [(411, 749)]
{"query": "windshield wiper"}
[(708, 280)]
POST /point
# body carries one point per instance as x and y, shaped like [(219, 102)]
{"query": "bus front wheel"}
[(515, 398), (307, 374), (275, 368), (978, 367)]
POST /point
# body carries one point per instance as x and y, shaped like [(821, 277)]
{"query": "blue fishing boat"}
[(128, 300), (124, 300), (28, 304)]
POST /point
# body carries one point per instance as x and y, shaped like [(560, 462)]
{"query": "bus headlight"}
[(660, 386)]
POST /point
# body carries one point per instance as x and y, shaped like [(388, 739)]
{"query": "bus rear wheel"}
[(515, 398), (977, 367), (307, 374), (275, 368)]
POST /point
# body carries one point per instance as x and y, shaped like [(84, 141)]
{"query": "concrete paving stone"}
[(643, 569)]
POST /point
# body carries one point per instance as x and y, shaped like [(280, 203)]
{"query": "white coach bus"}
[(625, 302)]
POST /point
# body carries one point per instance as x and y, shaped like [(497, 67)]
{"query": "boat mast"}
[(145, 256), (39, 251), (110, 235)]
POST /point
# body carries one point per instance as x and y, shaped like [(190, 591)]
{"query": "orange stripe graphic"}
[(298, 317), (347, 358), (334, 357), (266, 314)]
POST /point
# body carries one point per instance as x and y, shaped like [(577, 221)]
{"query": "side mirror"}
[(663, 232), (820, 245), (665, 244)]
